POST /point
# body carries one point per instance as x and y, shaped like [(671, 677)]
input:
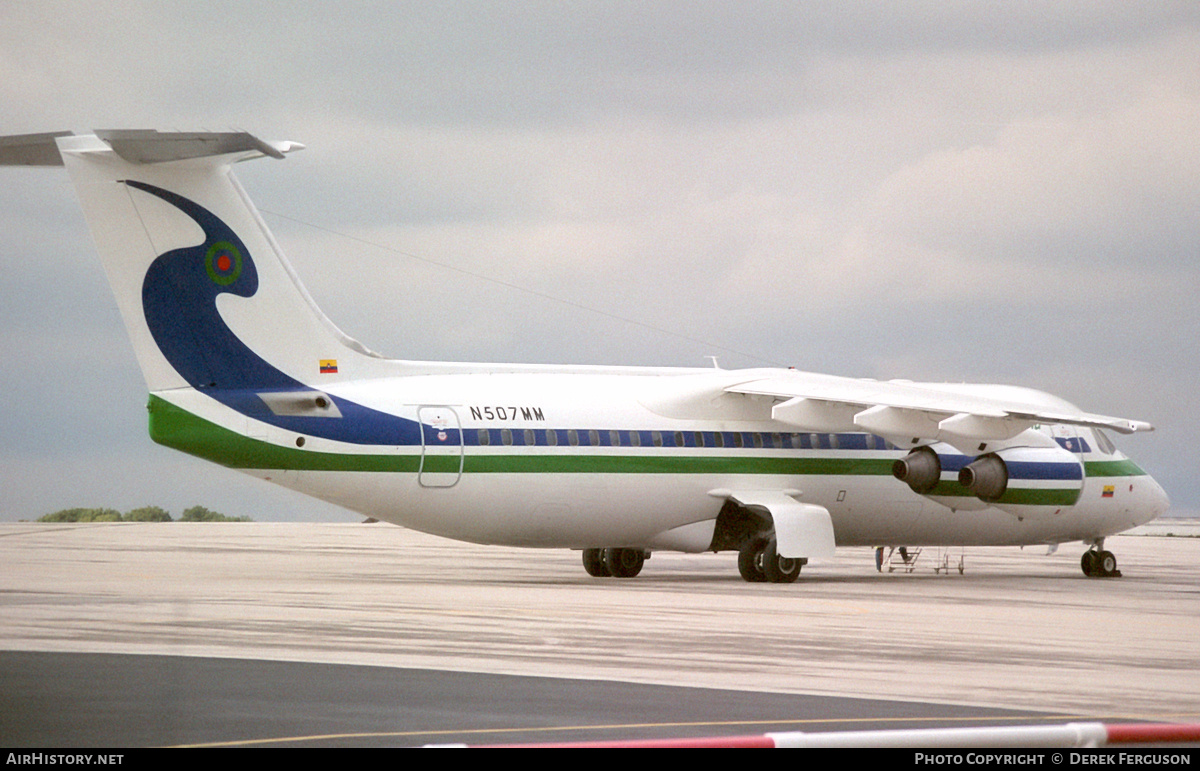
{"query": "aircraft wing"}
[(905, 412)]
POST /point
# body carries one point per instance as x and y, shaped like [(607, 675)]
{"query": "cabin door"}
[(441, 447)]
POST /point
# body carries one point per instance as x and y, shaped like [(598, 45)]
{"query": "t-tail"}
[(206, 294), (214, 310)]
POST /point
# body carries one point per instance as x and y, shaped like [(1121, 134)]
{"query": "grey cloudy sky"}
[(993, 192)]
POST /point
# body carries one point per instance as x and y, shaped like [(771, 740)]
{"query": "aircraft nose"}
[(1159, 498)]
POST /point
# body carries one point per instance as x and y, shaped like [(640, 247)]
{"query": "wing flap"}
[(955, 413)]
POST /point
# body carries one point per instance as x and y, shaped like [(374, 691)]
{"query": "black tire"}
[(779, 570), (1090, 562), (750, 562), (1106, 564), (624, 563), (593, 563)]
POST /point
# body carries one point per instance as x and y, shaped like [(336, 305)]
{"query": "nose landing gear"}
[(1098, 563)]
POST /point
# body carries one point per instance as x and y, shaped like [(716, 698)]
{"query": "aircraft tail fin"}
[(206, 294)]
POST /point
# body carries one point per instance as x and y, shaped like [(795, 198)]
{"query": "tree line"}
[(143, 514)]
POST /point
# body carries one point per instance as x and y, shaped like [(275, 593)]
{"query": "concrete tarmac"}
[(1019, 630), (132, 700)]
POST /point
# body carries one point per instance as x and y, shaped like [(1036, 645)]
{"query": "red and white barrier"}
[(1066, 735)]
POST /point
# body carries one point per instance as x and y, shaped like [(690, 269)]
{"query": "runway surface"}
[(119, 700), (471, 637)]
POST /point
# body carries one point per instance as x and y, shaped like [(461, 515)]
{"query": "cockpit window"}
[(1106, 445)]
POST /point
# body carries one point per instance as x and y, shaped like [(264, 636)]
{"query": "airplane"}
[(779, 465)]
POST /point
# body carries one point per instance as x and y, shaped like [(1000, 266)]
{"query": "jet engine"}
[(1025, 481), (932, 471), (920, 469)]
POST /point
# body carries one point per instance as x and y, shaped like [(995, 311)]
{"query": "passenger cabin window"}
[(484, 437), (635, 438), (551, 437), (506, 436), (530, 437)]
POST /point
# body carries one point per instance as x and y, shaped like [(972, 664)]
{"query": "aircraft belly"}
[(589, 510), (560, 510)]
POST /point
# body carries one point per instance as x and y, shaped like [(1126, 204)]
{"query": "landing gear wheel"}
[(1099, 564), (777, 569), (593, 563), (750, 562), (624, 563)]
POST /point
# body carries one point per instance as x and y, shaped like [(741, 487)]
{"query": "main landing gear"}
[(759, 562), (615, 563)]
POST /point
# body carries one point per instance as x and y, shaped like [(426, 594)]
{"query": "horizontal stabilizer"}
[(31, 149), (150, 146), (139, 146)]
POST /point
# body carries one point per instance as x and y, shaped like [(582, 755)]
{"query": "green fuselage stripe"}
[(175, 427), (179, 429), (1112, 468)]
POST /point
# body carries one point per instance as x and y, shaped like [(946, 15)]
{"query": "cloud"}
[(916, 190)]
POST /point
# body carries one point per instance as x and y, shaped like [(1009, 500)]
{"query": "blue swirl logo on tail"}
[(179, 298), (179, 295)]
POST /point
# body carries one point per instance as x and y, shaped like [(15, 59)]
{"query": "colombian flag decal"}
[(328, 366), (1107, 492)]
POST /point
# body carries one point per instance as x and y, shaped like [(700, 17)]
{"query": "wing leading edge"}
[(908, 414)]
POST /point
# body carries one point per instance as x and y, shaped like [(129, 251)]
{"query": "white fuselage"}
[(628, 457), (244, 370)]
